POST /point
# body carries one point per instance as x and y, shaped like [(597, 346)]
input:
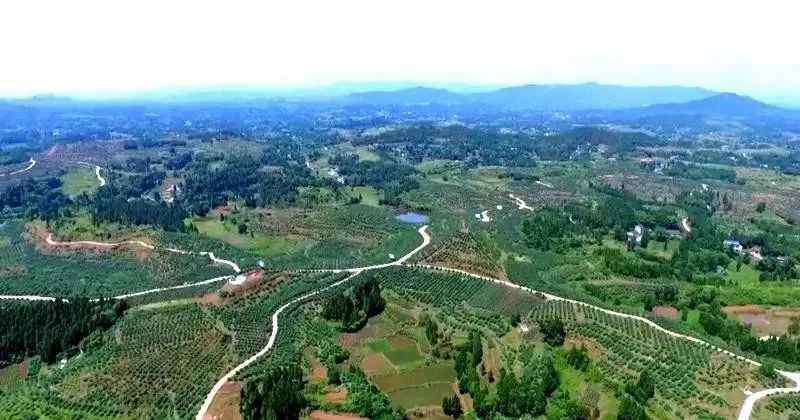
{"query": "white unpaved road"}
[(208, 254), (747, 407), (97, 168), (27, 297), (270, 343), (99, 177), (744, 413), (685, 224), (520, 203), (31, 164), (183, 286), (753, 397), (426, 240)]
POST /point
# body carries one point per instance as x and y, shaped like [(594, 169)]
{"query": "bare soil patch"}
[(428, 413), (375, 363), (39, 234), (764, 320), (324, 415), (666, 312), (338, 396), (226, 403)]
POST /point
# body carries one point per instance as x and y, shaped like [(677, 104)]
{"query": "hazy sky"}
[(134, 45)]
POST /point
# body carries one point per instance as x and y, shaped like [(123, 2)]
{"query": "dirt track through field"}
[(92, 244)]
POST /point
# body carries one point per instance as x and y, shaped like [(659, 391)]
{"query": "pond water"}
[(413, 218)]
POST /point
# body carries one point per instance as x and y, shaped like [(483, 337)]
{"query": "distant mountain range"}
[(604, 101), (611, 101), (585, 96), (725, 104)]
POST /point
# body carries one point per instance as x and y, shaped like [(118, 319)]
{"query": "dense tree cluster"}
[(529, 394), (210, 184), (109, 206), (47, 328), (635, 397), (179, 162), (277, 394), (393, 178), (484, 147), (451, 406), (553, 332), (474, 147), (355, 304), (692, 171), (36, 198)]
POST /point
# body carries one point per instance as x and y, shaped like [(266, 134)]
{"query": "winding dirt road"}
[(752, 397), (235, 267), (97, 168), (747, 407), (201, 415), (744, 413), (99, 177), (520, 203), (426, 240), (685, 225), (31, 164)]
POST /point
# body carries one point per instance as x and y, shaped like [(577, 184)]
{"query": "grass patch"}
[(404, 356), (747, 276), (380, 346), (367, 155), (441, 372), (369, 195), (260, 243), (657, 248), (425, 395), (79, 180)]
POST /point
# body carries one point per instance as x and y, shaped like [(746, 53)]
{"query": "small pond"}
[(413, 218)]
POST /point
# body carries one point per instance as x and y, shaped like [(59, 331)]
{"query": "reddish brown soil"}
[(252, 281), (53, 150), (371, 330), (764, 320), (324, 415), (39, 236), (593, 350), (318, 371), (427, 413), (349, 339), (222, 210), (666, 312), (209, 299), (375, 363), (338, 396), (226, 403), (22, 371)]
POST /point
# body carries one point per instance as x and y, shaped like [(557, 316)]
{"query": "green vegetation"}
[(353, 305), (668, 219), (274, 395), (79, 180)]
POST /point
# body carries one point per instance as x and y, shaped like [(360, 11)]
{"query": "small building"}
[(733, 245), (636, 235), (755, 253)]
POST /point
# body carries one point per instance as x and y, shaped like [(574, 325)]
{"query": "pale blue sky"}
[(126, 45)]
